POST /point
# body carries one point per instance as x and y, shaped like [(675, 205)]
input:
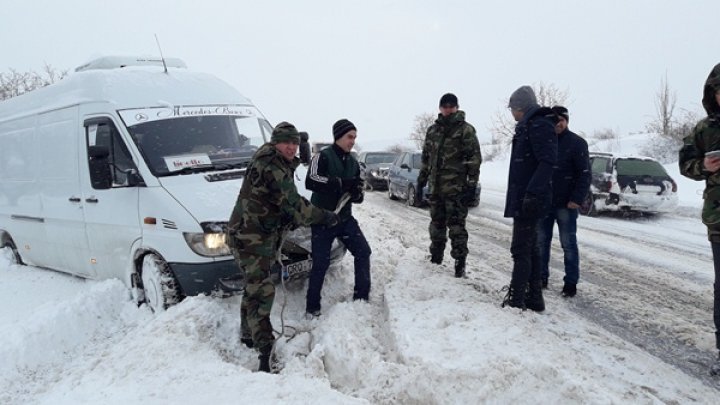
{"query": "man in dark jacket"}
[(451, 165), (529, 194), (333, 173), (268, 205), (698, 162), (570, 184)]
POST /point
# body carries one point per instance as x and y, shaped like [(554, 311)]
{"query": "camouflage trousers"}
[(447, 216), (257, 301)]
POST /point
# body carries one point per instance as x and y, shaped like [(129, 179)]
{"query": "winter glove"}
[(467, 197), (330, 219), (358, 195), (419, 192), (532, 206), (349, 184)]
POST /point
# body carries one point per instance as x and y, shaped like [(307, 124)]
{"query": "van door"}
[(111, 211), (62, 206)]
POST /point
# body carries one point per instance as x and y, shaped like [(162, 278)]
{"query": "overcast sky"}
[(381, 63)]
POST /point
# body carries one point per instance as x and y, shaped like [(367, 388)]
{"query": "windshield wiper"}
[(203, 168)]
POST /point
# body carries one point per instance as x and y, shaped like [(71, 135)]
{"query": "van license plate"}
[(298, 269)]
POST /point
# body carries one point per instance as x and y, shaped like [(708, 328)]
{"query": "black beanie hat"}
[(562, 112), (342, 127), (523, 99), (449, 99)]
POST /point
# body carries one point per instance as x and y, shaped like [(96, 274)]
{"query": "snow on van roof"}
[(114, 62), (122, 88)]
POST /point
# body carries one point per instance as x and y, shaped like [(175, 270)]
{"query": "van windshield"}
[(378, 158), (172, 146)]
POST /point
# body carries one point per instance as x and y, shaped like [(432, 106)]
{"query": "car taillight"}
[(608, 185), (674, 189)]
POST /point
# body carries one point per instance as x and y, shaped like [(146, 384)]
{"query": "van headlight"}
[(207, 244)]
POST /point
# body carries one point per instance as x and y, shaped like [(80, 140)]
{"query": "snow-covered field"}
[(639, 331)]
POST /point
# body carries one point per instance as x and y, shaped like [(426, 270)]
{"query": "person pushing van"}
[(268, 205)]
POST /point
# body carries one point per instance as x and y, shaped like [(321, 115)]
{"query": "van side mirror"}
[(405, 166), (100, 175), (304, 148)]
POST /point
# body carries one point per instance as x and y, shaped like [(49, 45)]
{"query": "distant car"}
[(374, 167), (629, 184), (402, 180)]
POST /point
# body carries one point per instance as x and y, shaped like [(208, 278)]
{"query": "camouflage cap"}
[(285, 132)]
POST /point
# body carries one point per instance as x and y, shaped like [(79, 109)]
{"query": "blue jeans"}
[(567, 226), (352, 237)]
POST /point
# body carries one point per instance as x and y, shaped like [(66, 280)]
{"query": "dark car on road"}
[(629, 184), (374, 166), (402, 180)]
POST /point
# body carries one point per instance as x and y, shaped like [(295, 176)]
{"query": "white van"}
[(126, 169)]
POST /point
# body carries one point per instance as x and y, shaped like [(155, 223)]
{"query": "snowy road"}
[(640, 329)]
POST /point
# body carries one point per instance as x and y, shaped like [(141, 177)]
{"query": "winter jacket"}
[(451, 156), (329, 170), (705, 137), (268, 204), (571, 174), (532, 158)]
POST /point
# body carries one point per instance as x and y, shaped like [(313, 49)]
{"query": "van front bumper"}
[(202, 278)]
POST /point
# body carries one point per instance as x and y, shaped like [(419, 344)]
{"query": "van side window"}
[(121, 163)]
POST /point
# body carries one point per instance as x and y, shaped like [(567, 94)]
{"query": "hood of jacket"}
[(712, 85)]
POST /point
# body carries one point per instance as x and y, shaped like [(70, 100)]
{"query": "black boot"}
[(246, 339), (569, 290), (460, 267), (268, 361), (436, 258), (715, 367), (534, 298), (515, 297)]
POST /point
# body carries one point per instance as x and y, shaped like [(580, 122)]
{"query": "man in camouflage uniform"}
[(697, 164), (451, 166), (268, 205)]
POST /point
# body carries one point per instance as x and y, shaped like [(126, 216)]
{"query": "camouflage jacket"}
[(451, 156), (705, 137), (268, 204)]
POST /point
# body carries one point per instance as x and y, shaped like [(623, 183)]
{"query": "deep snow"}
[(639, 331)]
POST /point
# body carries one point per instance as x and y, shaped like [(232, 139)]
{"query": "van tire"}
[(6, 242), (411, 197), (159, 285)]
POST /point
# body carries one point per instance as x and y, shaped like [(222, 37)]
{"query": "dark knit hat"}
[(285, 132), (523, 99), (562, 112), (449, 99), (342, 127)]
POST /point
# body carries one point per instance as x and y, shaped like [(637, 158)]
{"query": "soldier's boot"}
[(460, 267), (534, 299), (246, 339), (268, 361), (715, 367), (515, 297)]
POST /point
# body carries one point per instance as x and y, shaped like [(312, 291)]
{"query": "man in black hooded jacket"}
[(529, 194)]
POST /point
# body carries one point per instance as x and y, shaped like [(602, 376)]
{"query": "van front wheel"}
[(158, 283)]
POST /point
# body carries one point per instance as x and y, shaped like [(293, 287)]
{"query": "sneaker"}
[(715, 367), (544, 283), (569, 290), (460, 267)]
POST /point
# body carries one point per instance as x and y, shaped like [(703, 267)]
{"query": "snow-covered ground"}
[(639, 331)]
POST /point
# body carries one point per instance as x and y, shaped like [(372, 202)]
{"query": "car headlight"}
[(207, 244), (374, 173)]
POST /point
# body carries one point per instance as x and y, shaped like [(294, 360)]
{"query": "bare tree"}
[(14, 83), (421, 124), (503, 124), (665, 99), (397, 148)]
